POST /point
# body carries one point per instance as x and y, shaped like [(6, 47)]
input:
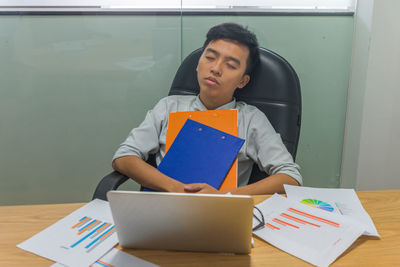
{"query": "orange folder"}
[(223, 120)]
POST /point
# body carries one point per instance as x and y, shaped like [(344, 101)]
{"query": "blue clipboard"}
[(200, 154)]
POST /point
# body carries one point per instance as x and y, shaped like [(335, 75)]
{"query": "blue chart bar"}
[(87, 225), (86, 236), (101, 230), (97, 239), (81, 221), (101, 264)]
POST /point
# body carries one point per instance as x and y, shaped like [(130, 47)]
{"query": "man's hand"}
[(146, 175), (200, 188)]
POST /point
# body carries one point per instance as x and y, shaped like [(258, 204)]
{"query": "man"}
[(230, 53)]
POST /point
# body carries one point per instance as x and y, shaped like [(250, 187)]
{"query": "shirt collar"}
[(198, 105)]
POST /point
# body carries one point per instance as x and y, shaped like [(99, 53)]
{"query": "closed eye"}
[(231, 66)]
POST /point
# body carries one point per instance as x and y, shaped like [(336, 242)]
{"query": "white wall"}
[(376, 109), (356, 93), (378, 165)]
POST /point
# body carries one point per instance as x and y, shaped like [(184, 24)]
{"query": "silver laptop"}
[(177, 221)]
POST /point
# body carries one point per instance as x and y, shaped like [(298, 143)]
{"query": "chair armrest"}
[(109, 182)]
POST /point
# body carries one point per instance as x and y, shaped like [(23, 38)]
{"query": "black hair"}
[(236, 33)]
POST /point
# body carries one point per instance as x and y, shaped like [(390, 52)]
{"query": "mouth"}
[(211, 81)]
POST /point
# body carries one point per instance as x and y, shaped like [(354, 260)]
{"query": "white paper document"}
[(78, 239), (337, 200), (313, 235), (117, 258)]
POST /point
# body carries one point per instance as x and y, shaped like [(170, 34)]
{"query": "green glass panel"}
[(72, 87)]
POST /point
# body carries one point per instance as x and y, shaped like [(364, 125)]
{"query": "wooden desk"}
[(18, 223)]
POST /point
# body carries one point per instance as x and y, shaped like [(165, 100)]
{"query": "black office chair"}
[(274, 88)]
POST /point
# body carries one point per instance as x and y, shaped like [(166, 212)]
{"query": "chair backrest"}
[(274, 88)]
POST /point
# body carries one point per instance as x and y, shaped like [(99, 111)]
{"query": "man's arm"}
[(142, 141), (269, 185), (146, 175)]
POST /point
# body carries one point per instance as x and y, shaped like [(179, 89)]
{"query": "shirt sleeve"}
[(144, 139), (265, 147)]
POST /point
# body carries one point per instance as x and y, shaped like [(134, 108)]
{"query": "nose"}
[(216, 69)]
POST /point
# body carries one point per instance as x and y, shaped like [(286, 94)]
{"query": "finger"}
[(193, 187)]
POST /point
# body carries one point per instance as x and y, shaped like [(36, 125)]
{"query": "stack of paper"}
[(311, 234), (78, 239), (338, 200), (81, 239)]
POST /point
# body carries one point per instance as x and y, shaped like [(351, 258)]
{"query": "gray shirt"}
[(262, 144)]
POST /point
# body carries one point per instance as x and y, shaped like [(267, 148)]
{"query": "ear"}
[(245, 80)]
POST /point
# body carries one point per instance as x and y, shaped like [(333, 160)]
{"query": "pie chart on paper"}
[(317, 204)]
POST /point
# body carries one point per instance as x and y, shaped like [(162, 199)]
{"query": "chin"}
[(209, 92)]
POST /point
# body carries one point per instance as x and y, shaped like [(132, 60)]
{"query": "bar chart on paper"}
[(79, 239), (305, 231), (294, 218), (336, 200), (90, 233)]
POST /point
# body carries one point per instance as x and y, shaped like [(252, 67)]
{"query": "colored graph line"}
[(86, 236), (88, 226), (284, 223), (84, 219), (101, 237), (314, 217), (339, 209), (104, 226), (100, 241), (102, 263), (272, 226), (99, 230), (287, 216), (107, 234), (83, 225)]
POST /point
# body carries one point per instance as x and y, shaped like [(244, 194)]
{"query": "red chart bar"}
[(285, 223), (287, 216), (103, 227), (272, 226), (108, 233), (102, 263), (87, 226), (314, 217), (84, 219)]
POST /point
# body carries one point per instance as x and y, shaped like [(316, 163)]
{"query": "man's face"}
[(220, 71)]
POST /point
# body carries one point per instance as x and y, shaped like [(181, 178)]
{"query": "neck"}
[(211, 105)]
